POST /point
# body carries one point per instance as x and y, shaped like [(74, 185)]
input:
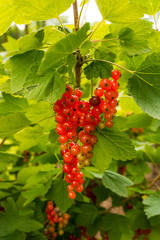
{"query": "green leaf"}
[(98, 68), (29, 137), (63, 48), (8, 157), (18, 218), (112, 144), (7, 15), (26, 173), (151, 205), (144, 85), (39, 111), (152, 6), (116, 183), (120, 11), (87, 215), (12, 123), (60, 195), (17, 235), (49, 86), (44, 10), (12, 104), (140, 120), (137, 218), (20, 67), (11, 45), (110, 220), (52, 35), (38, 190)]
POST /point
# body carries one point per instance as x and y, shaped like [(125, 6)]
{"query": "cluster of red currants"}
[(56, 222), (140, 232), (77, 120)]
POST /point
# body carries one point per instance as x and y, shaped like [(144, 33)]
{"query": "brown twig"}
[(75, 11)]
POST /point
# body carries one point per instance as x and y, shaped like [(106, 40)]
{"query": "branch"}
[(75, 11), (1, 144)]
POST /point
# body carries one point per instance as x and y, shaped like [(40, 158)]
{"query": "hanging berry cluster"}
[(56, 222), (77, 120), (140, 232)]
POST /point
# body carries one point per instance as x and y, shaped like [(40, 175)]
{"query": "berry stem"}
[(102, 60)]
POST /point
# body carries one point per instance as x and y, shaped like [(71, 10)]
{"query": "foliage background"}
[(34, 69)]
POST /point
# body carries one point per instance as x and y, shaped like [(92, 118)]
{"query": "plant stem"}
[(1, 144), (81, 13), (75, 11), (155, 21), (103, 40), (62, 25), (85, 14), (102, 60), (79, 63), (91, 87)]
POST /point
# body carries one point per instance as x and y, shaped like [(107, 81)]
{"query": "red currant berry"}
[(85, 139), (89, 128), (66, 168), (62, 139), (79, 188), (60, 118), (89, 118), (105, 108), (109, 124), (68, 112), (113, 103), (94, 101), (60, 130), (109, 95), (86, 148), (70, 188), (116, 74), (72, 134), (71, 195), (68, 126), (93, 140), (83, 106), (78, 93), (98, 92), (105, 84), (67, 157), (108, 116), (115, 85), (81, 133), (68, 90), (75, 150), (96, 111)]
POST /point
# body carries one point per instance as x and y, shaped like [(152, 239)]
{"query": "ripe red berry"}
[(72, 134), (109, 95), (98, 92), (113, 103), (62, 139), (68, 90), (116, 74), (93, 140), (85, 139), (95, 101), (83, 106), (66, 168), (115, 85), (79, 188), (89, 128), (75, 150), (78, 93), (105, 108), (108, 116), (96, 111), (89, 118), (60, 118), (70, 188), (105, 84), (71, 195), (67, 157), (109, 124), (86, 148)]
